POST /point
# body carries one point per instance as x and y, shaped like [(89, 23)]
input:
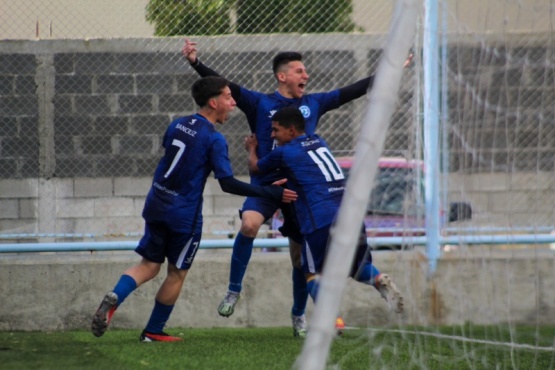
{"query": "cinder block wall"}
[(81, 123)]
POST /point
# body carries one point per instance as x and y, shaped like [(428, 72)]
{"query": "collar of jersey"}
[(202, 117), (301, 137)]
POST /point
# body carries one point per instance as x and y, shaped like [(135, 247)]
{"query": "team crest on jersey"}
[(305, 111)]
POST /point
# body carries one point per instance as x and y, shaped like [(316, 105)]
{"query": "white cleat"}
[(299, 326), (227, 305), (390, 293)]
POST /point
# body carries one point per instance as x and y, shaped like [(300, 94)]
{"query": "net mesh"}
[(88, 89)]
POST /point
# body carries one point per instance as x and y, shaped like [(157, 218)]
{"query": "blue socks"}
[(300, 292), (242, 251), (158, 318), (367, 274), (312, 287), (124, 287)]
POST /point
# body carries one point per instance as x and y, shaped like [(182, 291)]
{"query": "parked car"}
[(396, 205)]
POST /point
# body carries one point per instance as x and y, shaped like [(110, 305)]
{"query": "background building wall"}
[(81, 124), (125, 18), (73, 19)]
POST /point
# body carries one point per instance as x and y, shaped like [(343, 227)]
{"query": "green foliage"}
[(213, 17), (302, 16), (189, 17)]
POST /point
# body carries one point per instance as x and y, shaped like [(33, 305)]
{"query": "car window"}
[(394, 192)]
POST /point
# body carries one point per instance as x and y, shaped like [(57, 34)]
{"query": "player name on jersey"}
[(186, 130)]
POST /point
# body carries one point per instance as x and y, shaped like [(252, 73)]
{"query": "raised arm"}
[(189, 51), (250, 146)]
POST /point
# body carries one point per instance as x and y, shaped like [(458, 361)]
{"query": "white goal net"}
[(487, 303)]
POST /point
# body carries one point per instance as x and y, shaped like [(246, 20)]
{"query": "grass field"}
[(460, 347)]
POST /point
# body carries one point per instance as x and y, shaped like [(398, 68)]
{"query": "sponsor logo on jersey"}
[(193, 121), (332, 190), (272, 112), (164, 189), (305, 111)]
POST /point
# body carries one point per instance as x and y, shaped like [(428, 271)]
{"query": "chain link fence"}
[(88, 88)]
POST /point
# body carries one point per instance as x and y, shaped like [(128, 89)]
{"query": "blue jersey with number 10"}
[(193, 149), (313, 173), (259, 109)]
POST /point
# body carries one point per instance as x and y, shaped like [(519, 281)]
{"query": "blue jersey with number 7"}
[(311, 171), (192, 150)]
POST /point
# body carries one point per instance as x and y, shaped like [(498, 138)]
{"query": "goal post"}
[(381, 105)]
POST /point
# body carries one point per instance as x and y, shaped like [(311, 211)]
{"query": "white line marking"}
[(462, 339)]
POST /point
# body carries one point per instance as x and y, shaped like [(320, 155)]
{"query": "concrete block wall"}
[(107, 208), (81, 120), (516, 199), (111, 207), (100, 108)]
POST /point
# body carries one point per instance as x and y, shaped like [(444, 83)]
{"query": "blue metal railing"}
[(280, 243)]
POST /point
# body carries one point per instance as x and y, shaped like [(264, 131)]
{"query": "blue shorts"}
[(315, 249), (159, 243), (265, 207), (268, 208)]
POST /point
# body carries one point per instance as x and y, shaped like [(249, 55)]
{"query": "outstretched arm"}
[(274, 192), (359, 88), (189, 51), (356, 90)]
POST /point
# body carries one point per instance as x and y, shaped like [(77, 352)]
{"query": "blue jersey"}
[(314, 174), (193, 149), (259, 109)]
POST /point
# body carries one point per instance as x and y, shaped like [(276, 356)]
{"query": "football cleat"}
[(339, 325), (227, 305), (299, 326), (104, 313), (157, 337), (390, 293)]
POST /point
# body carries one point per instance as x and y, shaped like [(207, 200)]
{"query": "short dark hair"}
[(284, 58), (290, 116), (206, 88)]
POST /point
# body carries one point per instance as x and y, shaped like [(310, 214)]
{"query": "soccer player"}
[(292, 78), (314, 174), (173, 207)]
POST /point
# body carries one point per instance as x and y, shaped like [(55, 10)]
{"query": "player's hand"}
[(279, 182), (408, 61), (288, 195), (250, 142), (189, 51)]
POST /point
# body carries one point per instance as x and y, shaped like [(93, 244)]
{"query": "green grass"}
[(275, 348)]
